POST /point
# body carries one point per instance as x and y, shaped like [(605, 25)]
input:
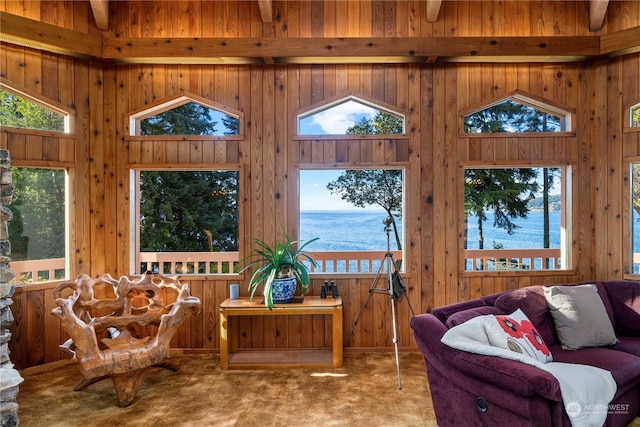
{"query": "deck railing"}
[(194, 263), (512, 259), (189, 262), (39, 270)]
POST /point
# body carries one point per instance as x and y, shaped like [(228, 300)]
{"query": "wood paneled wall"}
[(100, 155)]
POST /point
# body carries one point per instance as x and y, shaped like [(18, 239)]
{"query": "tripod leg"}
[(392, 298), (395, 341)]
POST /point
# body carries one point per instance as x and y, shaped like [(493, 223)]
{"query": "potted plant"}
[(281, 268)]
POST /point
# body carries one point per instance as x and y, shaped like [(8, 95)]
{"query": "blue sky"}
[(314, 195)]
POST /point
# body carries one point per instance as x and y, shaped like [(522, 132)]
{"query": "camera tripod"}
[(395, 288)]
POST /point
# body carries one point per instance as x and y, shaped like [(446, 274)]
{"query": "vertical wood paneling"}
[(269, 158)]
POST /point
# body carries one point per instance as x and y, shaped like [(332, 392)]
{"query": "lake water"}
[(364, 230)]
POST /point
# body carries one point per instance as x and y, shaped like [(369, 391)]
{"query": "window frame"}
[(68, 220), (341, 99), (567, 115), (567, 220), (68, 114), (134, 212), (134, 117), (628, 117)]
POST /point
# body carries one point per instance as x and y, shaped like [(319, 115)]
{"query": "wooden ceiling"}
[(332, 50), (597, 11)]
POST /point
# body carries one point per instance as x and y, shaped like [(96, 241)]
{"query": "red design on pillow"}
[(523, 329)]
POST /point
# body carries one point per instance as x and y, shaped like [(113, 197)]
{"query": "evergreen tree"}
[(187, 119), (188, 211)]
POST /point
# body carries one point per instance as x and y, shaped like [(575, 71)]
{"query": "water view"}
[(364, 230)]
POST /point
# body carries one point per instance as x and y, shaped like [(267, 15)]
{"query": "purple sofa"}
[(473, 389)]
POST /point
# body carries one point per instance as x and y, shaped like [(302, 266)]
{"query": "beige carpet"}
[(364, 392)]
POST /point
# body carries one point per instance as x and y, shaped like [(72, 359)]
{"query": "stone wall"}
[(9, 377)]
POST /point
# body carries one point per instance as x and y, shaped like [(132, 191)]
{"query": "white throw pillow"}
[(515, 332)]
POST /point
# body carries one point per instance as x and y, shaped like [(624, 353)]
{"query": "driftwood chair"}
[(118, 354)]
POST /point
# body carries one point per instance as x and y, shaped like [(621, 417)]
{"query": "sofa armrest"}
[(625, 302), (510, 375)]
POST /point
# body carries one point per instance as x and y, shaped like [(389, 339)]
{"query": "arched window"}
[(186, 115), (19, 109), (516, 113), (350, 115)]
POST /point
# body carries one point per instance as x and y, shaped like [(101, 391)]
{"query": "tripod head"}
[(387, 228)]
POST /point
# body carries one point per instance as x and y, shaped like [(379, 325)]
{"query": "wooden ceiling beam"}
[(180, 49), (621, 42), (266, 10), (100, 10), (37, 35), (597, 11), (433, 10)]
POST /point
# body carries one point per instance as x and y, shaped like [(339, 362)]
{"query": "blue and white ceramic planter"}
[(282, 290)]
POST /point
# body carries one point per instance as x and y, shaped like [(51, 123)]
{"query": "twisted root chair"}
[(100, 329)]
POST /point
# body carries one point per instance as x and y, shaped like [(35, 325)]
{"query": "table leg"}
[(224, 343), (337, 337)]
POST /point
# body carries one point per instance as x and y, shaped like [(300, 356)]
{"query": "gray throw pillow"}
[(580, 317)]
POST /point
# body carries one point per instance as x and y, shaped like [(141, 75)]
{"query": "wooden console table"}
[(278, 358)]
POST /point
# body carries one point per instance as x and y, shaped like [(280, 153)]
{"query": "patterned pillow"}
[(515, 332)]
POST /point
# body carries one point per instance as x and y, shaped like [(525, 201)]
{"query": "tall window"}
[(516, 218), (635, 217), (38, 229), (356, 214), (186, 222)]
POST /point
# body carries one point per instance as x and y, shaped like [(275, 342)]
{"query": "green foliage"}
[(510, 116), (188, 211), (506, 192), (282, 260), (635, 116), (37, 230), (381, 124), (23, 113)]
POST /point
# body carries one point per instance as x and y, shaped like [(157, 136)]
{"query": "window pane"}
[(192, 218), (513, 220), (351, 118), (345, 209), (635, 116), (37, 229), (23, 113), (190, 119), (511, 116)]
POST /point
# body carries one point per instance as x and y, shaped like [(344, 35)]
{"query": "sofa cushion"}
[(580, 317), (624, 367), (464, 315), (532, 302), (515, 332)]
